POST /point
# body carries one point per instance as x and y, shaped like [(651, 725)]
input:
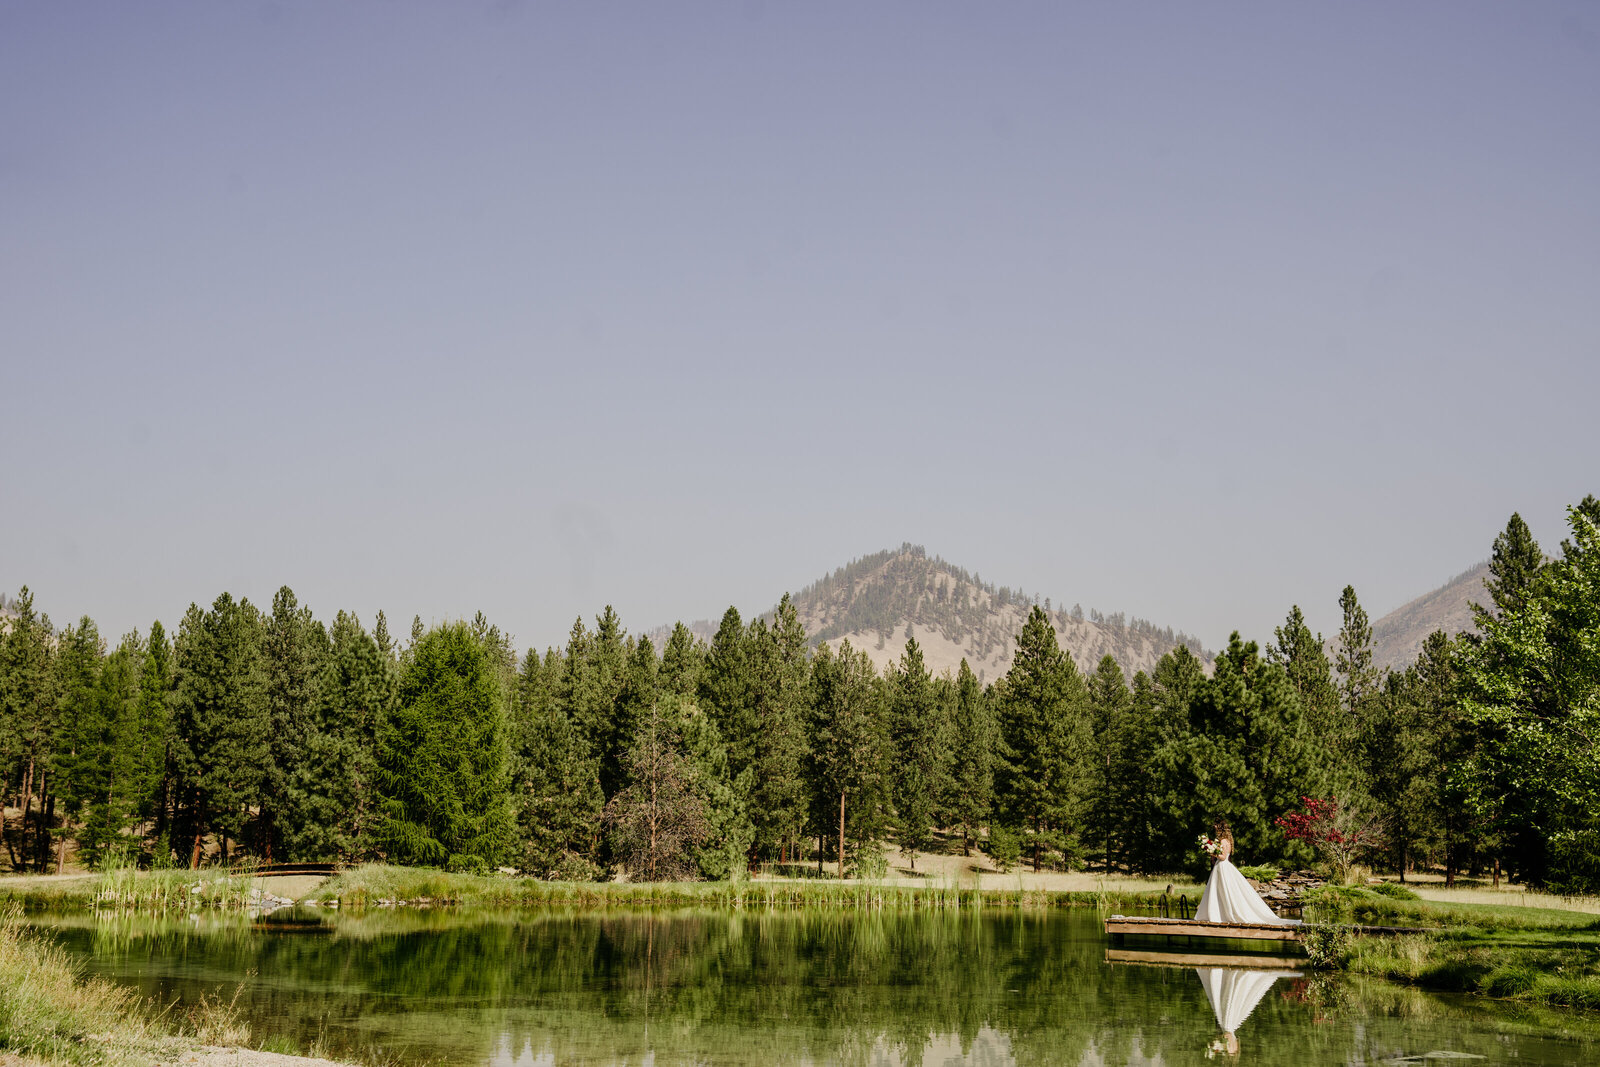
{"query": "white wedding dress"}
[(1234, 992), (1229, 898)]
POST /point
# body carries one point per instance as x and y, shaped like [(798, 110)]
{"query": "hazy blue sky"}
[(1188, 310)]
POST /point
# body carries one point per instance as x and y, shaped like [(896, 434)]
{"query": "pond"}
[(992, 987)]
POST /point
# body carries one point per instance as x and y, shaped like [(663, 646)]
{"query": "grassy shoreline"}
[(379, 885), (1546, 956), (51, 1014)]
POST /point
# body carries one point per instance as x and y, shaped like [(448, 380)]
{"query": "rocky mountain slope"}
[(875, 601), (1397, 637)]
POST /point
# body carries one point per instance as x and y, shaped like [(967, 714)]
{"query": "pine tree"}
[(596, 667), (1044, 721), (113, 787), (1513, 567), (1300, 653), (81, 750), (30, 716), (219, 720), (335, 784), (152, 762), (658, 820), (443, 774), (1531, 691), (682, 662), (1141, 824), (972, 795), (638, 694), (729, 829), (1111, 708), (775, 743), (295, 653), (1241, 753), (919, 750), (849, 747), (1353, 659), (559, 800), (724, 691)]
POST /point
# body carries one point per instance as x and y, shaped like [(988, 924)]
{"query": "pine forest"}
[(267, 734)]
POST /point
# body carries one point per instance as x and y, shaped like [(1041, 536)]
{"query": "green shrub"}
[(1266, 872), (1328, 946), (1394, 890), (869, 864), (1005, 845), (1509, 980)]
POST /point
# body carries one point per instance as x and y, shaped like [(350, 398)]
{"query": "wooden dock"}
[(1120, 926), (1192, 959)]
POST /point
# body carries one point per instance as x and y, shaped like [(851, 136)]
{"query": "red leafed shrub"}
[(1338, 832)]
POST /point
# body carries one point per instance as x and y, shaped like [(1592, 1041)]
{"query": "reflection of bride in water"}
[(1229, 898), (1234, 993)]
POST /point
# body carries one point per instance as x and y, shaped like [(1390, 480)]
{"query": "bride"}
[(1229, 898)]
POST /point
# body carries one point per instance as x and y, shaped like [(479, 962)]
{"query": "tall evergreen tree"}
[(849, 748), (559, 800), (972, 793), (1514, 566), (80, 760), (153, 762), (724, 691), (1531, 688), (1115, 764), (443, 773), (1141, 824), (113, 787), (658, 819), (775, 744), (1300, 653), (682, 662), (30, 717), (295, 656), (1241, 753), (919, 750), (335, 786), (219, 720), (1044, 720), (1353, 656)]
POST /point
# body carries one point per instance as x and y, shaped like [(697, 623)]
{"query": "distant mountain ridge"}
[(876, 600), (1397, 637)]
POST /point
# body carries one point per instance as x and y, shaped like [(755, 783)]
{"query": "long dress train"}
[(1229, 898)]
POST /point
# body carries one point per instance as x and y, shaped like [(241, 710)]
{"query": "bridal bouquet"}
[(1210, 846)]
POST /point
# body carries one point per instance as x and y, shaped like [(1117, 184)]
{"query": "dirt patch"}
[(241, 1057), (291, 886)]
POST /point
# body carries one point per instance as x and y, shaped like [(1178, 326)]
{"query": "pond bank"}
[(379, 885), (51, 1015), (1507, 952)]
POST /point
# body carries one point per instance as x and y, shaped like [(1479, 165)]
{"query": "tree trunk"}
[(1497, 872), (47, 814), (22, 821), (199, 832), (819, 855), (61, 847), (841, 835)]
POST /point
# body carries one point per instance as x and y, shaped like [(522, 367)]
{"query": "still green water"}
[(988, 988)]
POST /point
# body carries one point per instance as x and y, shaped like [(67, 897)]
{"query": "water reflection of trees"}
[(759, 987)]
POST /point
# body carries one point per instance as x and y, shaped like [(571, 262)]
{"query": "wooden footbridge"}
[(1120, 926)]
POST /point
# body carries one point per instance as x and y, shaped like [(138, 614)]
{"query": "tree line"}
[(275, 736)]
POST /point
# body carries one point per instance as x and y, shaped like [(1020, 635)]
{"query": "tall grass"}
[(376, 884), (49, 1012)]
